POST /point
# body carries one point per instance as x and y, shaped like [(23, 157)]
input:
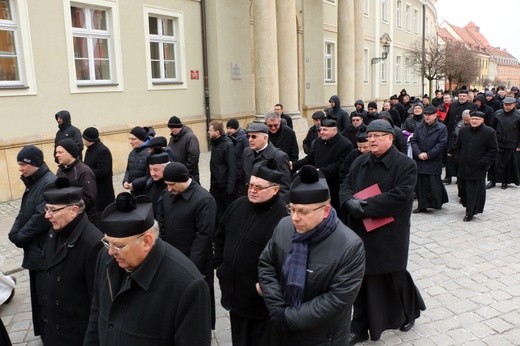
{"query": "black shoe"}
[(354, 338), (447, 181), (419, 210), (407, 326), (504, 186), (467, 218), (490, 185)]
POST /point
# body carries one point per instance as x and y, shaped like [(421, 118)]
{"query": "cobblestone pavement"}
[(467, 272)]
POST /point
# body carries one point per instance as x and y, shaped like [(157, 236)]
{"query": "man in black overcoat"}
[(388, 298), (475, 149)]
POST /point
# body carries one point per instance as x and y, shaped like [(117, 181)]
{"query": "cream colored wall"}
[(313, 52)]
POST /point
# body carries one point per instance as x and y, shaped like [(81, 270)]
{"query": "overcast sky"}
[(498, 20)]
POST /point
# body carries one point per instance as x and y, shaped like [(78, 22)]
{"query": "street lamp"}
[(385, 40)]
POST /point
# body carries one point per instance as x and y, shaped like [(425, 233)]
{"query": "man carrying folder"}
[(388, 298)]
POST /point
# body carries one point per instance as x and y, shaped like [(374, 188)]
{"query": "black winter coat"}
[(249, 159), (507, 126), (30, 228), (67, 130), (475, 149), (186, 149), (411, 122), (137, 167), (351, 132), (82, 173), (432, 140), (244, 231), (240, 142), (339, 114), (454, 115), (71, 259), (335, 271), (285, 140), (223, 164), (312, 134), (163, 302), (396, 174), (99, 159)]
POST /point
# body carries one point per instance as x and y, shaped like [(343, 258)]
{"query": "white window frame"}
[(408, 17), (366, 8), (384, 71), (416, 21), (114, 38), (366, 66), (19, 24), (398, 68), (415, 76), (332, 2), (181, 80), (399, 14), (332, 58), (384, 11), (407, 70)]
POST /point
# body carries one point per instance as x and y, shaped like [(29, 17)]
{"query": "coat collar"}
[(387, 159), (71, 241)]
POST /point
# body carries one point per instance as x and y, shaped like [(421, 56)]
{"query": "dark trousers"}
[(36, 283), (222, 199), (248, 332), (4, 337)]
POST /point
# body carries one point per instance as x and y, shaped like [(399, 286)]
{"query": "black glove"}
[(355, 208)]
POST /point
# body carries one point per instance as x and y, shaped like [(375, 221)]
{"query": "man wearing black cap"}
[(475, 150), (328, 153), (190, 213), (394, 100), (239, 137), (313, 132), (337, 113), (245, 229), (71, 252), (70, 166), (146, 292), (99, 158), (506, 123), (311, 270), (388, 298), (137, 165), (67, 130), (428, 144), (30, 228), (259, 150), (371, 114), (185, 146)]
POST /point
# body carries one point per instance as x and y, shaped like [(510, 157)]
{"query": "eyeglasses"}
[(119, 249), (376, 136), (257, 188), (252, 136), (273, 126), (51, 211), (302, 212)]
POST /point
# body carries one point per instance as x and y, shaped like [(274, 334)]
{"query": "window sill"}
[(97, 85), (14, 87), (166, 83)]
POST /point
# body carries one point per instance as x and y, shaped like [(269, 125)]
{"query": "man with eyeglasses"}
[(30, 228), (388, 298), (244, 230), (282, 136), (71, 252), (190, 214), (146, 292), (260, 150), (311, 269)]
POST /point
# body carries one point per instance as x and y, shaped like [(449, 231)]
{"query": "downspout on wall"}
[(205, 65)]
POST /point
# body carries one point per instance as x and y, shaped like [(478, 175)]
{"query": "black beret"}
[(309, 187), (267, 170), (63, 191), (31, 155), (257, 127), (233, 123), (361, 136), (430, 110), (91, 134), (158, 158), (174, 122), (477, 114), (158, 141), (139, 133), (318, 115), (176, 172), (329, 123), (127, 216), (70, 146), (372, 105), (380, 125)]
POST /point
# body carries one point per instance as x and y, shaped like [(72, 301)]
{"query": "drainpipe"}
[(205, 64)]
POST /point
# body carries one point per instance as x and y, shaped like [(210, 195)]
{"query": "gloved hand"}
[(355, 208)]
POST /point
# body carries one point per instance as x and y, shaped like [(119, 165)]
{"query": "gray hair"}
[(272, 115)]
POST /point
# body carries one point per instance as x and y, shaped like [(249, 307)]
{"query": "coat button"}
[(110, 324), (59, 278), (57, 326), (57, 302), (46, 320)]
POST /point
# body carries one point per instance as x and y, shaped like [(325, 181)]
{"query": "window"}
[(384, 10), (365, 7), (16, 67), (407, 17), (398, 14), (330, 62), (398, 67), (415, 21), (407, 70), (415, 74), (384, 71), (93, 45), (366, 66)]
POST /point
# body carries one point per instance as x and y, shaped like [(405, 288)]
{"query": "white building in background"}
[(115, 64)]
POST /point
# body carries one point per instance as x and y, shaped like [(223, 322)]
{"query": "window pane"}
[(169, 69), (7, 46), (156, 69), (167, 27), (77, 17), (99, 20), (152, 25), (5, 10), (100, 48), (102, 68), (168, 51), (82, 71), (80, 47), (154, 50), (9, 69)]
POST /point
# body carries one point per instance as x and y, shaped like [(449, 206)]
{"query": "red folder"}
[(372, 223)]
